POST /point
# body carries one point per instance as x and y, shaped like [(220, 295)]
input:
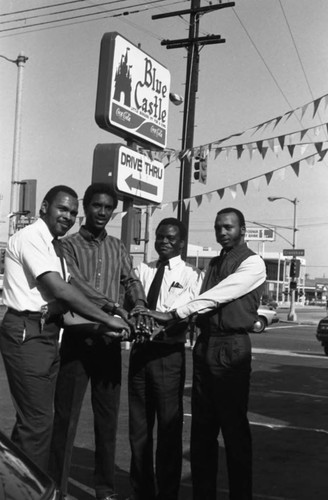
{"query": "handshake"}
[(141, 324)]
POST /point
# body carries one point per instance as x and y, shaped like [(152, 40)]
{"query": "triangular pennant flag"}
[(268, 177), (199, 199), (174, 205), (291, 149), (233, 190), (288, 115), (114, 215), (259, 146), (123, 214), (318, 146), (209, 196), (81, 219), (217, 152), (244, 186), (322, 154), (220, 193), (303, 133), (304, 148), (227, 150), (310, 160), (315, 106), (271, 144), (250, 149), (296, 167), (163, 206), (256, 183), (282, 173), (152, 210), (264, 152), (240, 149), (281, 140), (277, 120), (304, 108)]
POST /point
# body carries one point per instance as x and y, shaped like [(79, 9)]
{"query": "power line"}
[(89, 15)]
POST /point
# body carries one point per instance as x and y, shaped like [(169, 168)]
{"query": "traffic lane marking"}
[(281, 352)]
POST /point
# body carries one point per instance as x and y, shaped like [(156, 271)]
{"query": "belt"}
[(26, 313)]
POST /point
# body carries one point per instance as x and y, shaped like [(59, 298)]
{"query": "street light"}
[(292, 313), (20, 62)]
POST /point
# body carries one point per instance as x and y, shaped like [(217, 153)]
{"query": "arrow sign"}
[(132, 182)]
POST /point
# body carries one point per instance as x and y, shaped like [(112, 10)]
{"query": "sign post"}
[(132, 102)]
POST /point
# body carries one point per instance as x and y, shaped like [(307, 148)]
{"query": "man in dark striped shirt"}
[(101, 268)]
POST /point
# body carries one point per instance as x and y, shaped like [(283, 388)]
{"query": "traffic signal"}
[(200, 169), (27, 197), (294, 270)]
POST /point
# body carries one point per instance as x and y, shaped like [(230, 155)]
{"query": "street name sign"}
[(294, 252), (260, 234), (133, 92), (129, 172)]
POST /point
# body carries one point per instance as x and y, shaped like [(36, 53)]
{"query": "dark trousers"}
[(85, 357), (221, 378), (31, 359), (156, 382)]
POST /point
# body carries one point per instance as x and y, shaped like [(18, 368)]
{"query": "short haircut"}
[(240, 216), (171, 221), (99, 188), (52, 193)]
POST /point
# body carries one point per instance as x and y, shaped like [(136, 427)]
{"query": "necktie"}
[(59, 254), (155, 286)]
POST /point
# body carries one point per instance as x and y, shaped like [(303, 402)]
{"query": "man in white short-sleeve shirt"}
[(33, 281)]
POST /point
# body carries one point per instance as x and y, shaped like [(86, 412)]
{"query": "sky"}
[(274, 63)]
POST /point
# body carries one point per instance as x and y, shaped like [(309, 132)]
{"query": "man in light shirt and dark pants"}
[(157, 371)]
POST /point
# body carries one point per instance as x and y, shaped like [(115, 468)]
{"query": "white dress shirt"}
[(30, 253), (249, 275)]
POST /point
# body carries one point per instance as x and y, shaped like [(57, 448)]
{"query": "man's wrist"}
[(111, 307), (174, 314)]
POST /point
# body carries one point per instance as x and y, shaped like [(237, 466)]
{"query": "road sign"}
[(130, 172), (133, 92), (260, 234), (294, 252)]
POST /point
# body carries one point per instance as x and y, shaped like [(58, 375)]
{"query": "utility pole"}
[(20, 63), (193, 44)]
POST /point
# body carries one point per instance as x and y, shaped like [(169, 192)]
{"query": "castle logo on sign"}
[(139, 93)]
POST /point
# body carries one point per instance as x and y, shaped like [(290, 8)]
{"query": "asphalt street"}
[(288, 413)]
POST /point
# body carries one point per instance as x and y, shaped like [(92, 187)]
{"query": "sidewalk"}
[(306, 315)]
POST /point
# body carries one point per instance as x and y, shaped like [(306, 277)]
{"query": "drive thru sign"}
[(130, 172)]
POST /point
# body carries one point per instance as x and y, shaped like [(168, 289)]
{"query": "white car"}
[(266, 316)]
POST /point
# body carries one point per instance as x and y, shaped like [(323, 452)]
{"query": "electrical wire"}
[(89, 15)]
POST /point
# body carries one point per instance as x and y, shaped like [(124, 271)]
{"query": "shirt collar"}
[(173, 262), (44, 229), (87, 235)]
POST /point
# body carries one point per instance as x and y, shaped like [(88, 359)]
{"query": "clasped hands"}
[(141, 324)]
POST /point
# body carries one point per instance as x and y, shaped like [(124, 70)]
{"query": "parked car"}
[(266, 316), (20, 478), (322, 333)]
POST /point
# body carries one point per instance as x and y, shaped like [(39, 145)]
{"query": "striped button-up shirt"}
[(101, 268)]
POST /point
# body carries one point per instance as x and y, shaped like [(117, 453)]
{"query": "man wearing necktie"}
[(157, 371), (34, 281), (227, 309)]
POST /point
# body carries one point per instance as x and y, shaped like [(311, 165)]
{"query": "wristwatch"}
[(116, 305)]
